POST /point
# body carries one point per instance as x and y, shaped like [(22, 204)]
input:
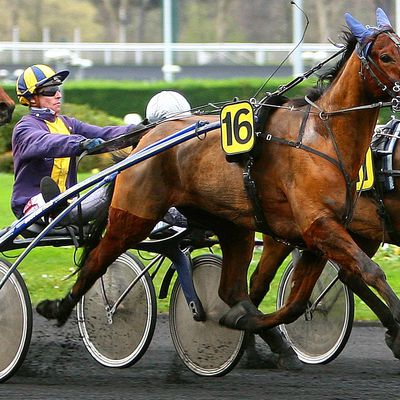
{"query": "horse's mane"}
[(325, 79)]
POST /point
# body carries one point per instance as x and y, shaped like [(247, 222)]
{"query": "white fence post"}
[(167, 31), (298, 27), (15, 39)]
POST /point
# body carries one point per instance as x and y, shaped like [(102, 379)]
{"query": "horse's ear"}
[(356, 28), (381, 18)]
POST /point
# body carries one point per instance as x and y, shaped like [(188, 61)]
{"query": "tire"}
[(205, 347), (319, 336), (121, 341), (16, 322)]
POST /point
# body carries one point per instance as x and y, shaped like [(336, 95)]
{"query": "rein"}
[(324, 115)]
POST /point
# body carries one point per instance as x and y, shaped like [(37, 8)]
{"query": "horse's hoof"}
[(48, 308), (285, 359), (289, 361), (261, 361), (52, 309), (240, 316), (393, 343)]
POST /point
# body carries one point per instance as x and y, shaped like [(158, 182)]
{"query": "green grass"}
[(45, 270)]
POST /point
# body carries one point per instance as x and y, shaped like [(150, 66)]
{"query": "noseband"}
[(367, 63)]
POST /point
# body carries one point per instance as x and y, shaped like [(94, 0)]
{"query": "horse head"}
[(379, 51), (7, 106)]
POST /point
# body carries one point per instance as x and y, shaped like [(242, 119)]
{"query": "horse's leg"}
[(378, 307), (355, 263), (335, 243), (273, 255), (371, 246), (237, 246), (123, 230), (306, 273)]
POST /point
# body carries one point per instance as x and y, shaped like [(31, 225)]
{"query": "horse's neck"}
[(352, 130)]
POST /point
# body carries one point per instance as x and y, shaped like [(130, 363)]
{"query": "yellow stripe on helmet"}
[(31, 77)]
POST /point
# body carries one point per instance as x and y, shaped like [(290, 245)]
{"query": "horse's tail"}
[(97, 227)]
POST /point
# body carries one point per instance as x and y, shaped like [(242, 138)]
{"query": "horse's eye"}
[(385, 58)]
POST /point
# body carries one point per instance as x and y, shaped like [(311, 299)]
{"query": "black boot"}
[(57, 309), (49, 188)]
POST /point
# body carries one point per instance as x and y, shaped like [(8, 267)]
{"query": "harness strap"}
[(298, 145), (387, 223), (303, 124), (251, 189), (324, 115)]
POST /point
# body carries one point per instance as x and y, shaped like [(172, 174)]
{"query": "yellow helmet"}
[(35, 77)]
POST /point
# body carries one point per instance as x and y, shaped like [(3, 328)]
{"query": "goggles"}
[(49, 91)]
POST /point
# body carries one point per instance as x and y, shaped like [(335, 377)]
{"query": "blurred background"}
[(174, 39)]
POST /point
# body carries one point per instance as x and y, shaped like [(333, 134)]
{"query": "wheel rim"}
[(15, 322), (123, 341), (206, 347), (319, 336)]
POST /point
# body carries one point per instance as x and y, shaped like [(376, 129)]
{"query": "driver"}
[(45, 145)]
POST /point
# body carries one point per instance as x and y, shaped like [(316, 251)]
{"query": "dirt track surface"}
[(59, 367)]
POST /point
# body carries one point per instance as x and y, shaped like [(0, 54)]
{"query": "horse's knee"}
[(372, 273), (369, 270)]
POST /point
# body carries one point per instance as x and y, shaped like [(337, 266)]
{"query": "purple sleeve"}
[(93, 131), (33, 140)]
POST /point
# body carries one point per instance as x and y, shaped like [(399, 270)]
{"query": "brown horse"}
[(371, 225), (294, 187), (7, 106)]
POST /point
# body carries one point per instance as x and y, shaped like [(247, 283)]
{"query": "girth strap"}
[(251, 190)]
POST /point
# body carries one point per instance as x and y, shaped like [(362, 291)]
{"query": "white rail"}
[(159, 47), (84, 55)]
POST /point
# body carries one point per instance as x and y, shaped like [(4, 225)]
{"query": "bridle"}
[(370, 66)]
